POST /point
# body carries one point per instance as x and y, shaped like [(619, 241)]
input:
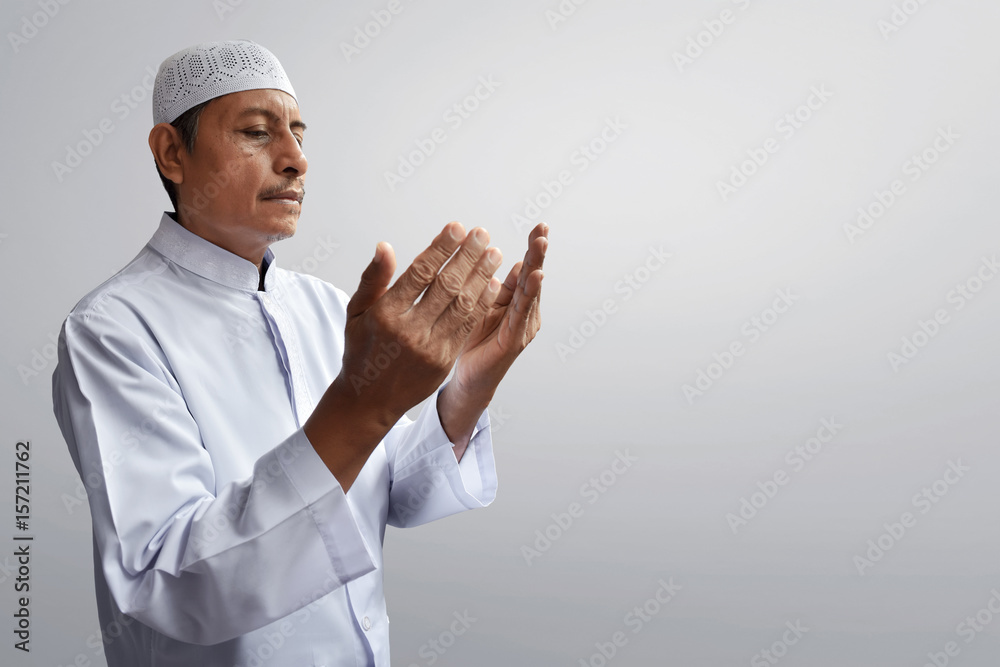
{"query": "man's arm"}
[(181, 551)]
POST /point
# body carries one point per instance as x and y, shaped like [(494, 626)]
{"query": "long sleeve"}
[(428, 483), (195, 560)]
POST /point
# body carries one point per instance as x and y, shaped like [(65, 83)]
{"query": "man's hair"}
[(187, 123)]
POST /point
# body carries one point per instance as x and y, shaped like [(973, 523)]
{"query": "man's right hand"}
[(400, 346)]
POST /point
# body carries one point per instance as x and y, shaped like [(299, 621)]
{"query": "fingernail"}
[(494, 256), (481, 236), (493, 286), (454, 231), (378, 252)]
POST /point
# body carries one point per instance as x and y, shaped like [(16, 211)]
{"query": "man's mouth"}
[(287, 197)]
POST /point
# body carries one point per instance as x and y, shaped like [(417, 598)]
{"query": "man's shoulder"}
[(120, 295)]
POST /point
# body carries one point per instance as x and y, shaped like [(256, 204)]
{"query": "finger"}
[(509, 285), (533, 287), (374, 280), (536, 252), (525, 305), (541, 229), (532, 291), (460, 310), (515, 278), (450, 282), (534, 258), (424, 269), (486, 299)]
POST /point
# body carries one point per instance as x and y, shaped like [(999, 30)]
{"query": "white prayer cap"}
[(206, 71)]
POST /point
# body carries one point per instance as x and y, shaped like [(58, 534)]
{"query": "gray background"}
[(564, 417)]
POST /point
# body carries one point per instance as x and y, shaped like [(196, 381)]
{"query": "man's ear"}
[(166, 144)]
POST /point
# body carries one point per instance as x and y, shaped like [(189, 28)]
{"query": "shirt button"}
[(366, 624)]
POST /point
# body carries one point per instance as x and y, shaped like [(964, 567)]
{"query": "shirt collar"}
[(206, 259)]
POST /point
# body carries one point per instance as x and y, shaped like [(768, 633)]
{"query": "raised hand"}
[(402, 341), (424, 319), (510, 324)]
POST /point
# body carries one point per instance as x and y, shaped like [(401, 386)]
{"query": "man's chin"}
[(274, 238), (283, 231)]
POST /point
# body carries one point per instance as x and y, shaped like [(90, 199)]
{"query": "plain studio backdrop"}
[(761, 415)]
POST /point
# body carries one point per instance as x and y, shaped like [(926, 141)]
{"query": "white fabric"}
[(220, 537), (203, 72)]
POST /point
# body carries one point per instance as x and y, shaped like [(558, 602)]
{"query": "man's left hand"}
[(509, 325)]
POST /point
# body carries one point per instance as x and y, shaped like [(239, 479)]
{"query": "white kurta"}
[(220, 537)]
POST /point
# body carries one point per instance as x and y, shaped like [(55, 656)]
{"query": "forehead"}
[(273, 105)]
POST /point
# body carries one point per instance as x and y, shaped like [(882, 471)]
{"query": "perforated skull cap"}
[(206, 71)]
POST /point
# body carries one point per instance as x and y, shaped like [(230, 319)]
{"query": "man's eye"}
[(257, 134)]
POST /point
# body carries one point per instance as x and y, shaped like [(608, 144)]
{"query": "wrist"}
[(459, 413), (344, 430), (363, 405), (456, 396)]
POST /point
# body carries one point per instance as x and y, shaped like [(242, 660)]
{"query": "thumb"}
[(374, 280)]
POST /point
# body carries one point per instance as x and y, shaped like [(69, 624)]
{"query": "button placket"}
[(301, 398)]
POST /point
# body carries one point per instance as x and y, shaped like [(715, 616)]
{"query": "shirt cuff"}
[(325, 499), (473, 481)]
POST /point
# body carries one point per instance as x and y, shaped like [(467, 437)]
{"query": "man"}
[(240, 428)]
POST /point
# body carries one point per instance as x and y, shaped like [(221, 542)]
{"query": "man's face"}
[(243, 185)]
